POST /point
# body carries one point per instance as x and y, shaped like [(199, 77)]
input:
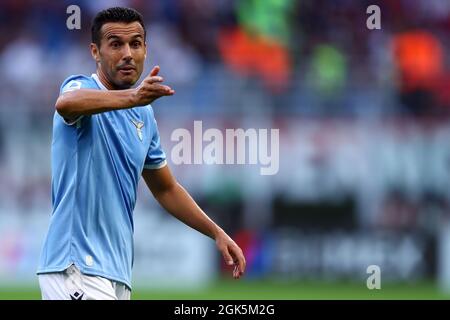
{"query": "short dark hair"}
[(116, 14)]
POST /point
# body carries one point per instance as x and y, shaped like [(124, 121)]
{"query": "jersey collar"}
[(98, 82)]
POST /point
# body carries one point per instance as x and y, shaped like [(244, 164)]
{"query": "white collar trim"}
[(99, 83)]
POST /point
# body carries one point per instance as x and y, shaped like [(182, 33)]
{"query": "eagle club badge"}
[(139, 125)]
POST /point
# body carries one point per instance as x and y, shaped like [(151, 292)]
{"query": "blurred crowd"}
[(311, 57), (270, 59)]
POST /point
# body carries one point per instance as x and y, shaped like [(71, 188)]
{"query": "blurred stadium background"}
[(364, 176)]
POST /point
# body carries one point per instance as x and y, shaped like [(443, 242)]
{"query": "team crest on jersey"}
[(72, 85), (139, 125)]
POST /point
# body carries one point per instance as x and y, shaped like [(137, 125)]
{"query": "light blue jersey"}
[(96, 165)]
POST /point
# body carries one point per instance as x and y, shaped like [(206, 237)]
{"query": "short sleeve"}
[(73, 83), (156, 158)]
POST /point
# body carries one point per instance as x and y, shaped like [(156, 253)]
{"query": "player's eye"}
[(115, 44), (136, 44)]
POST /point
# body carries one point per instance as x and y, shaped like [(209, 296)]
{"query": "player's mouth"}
[(127, 70)]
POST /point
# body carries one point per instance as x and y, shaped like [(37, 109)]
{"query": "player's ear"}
[(145, 49), (95, 52)]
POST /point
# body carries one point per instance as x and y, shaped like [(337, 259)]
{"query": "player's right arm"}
[(73, 104)]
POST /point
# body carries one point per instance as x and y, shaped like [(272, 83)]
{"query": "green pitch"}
[(245, 289)]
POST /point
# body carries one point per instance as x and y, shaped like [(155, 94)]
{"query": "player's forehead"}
[(122, 30)]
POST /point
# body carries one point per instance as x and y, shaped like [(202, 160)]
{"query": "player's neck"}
[(104, 80)]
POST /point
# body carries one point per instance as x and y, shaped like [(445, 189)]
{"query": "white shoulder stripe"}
[(156, 166)]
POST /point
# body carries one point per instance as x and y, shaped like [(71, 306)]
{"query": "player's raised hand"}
[(154, 71), (151, 89), (232, 254)]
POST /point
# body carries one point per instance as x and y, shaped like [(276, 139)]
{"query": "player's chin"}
[(126, 81)]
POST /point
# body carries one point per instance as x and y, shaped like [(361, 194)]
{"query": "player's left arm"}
[(177, 201)]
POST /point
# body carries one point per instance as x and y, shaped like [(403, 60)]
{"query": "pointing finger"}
[(154, 79), (154, 71)]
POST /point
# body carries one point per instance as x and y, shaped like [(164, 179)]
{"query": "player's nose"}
[(126, 52)]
